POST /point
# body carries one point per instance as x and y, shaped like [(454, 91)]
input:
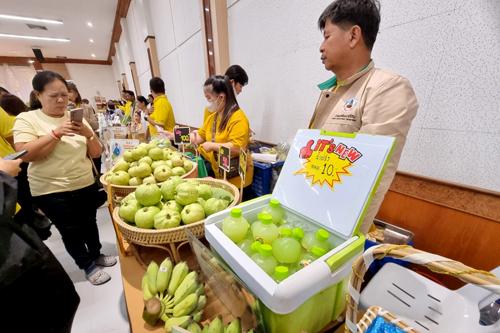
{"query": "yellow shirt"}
[(66, 168), (163, 114), (237, 132), (126, 108), (206, 113), (6, 125)]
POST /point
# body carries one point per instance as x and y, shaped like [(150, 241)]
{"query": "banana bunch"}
[(217, 326), (172, 294)]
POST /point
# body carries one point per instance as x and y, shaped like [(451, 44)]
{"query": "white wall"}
[(17, 80), (448, 49), (93, 80)]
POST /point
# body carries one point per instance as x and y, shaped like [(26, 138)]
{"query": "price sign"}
[(225, 158), (181, 135), (243, 165)]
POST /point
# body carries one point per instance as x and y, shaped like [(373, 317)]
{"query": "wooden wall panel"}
[(462, 236)]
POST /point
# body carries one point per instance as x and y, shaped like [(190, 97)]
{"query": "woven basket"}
[(407, 253), (124, 190), (149, 237), (374, 311)]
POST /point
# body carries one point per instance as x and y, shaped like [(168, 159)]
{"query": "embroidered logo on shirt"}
[(350, 104)]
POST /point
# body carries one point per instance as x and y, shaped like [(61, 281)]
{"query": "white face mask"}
[(213, 106)]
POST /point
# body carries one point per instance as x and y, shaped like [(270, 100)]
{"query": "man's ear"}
[(356, 36)]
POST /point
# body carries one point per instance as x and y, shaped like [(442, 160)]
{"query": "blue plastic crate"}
[(262, 177)]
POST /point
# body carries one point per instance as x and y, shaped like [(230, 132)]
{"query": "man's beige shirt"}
[(372, 101)]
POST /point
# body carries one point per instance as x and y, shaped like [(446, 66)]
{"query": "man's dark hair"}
[(142, 99), (157, 85), (364, 13), (85, 101), (13, 105), (237, 74)]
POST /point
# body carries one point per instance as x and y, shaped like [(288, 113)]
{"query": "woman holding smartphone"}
[(60, 172)]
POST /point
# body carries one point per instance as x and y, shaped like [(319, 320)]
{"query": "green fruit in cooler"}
[(235, 226), (308, 257), (277, 212), (264, 229), (280, 273), (298, 233), (246, 246), (264, 258), (286, 249), (318, 238)]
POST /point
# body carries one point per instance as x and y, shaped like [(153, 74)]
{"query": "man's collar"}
[(332, 82)]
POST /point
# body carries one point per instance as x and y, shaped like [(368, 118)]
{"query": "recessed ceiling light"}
[(210, 40), (206, 9), (91, 40), (31, 61), (35, 38), (30, 19), (92, 55), (90, 24)]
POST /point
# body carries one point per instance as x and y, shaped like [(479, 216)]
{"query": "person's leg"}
[(59, 208)]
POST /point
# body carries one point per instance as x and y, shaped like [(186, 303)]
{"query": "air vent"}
[(36, 27)]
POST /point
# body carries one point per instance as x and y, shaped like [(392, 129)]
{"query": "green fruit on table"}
[(119, 178), (142, 170), (166, 219), (187, 193), (204, 191), (134, 164), (192, 213), (148, 194), (144, 217), (178, 171), (135, 181), (149, 180), (128, 156), (188, 165), (202, 202), (220, 193), (130, 196), (156, 164), (156, 154), (139, 153), (168, 189), (214, 205), (128, 209), (121, 165), (162, 173), (177, 161), (169, 164), (146, 159), (173, 205)]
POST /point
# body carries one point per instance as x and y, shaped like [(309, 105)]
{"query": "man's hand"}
[(11, 168)]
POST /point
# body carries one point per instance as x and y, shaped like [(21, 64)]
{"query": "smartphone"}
[(76, 115), (16, 155)]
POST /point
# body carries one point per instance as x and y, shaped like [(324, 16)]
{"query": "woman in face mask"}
[(226, 125)]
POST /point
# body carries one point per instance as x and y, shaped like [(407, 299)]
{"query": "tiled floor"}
[(102, 308)]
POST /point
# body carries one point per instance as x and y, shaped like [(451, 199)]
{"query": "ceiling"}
[(74, 13)]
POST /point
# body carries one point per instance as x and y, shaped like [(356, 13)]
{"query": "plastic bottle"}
[(235, 226), (277, 212), (298, 233), (490, 314), (318, 238), (286, 249), (281, 273), (308, 257), (264, 258), (264, 230)]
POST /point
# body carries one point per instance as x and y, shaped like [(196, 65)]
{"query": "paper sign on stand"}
[(118, 146), (182, 136), (225, 159)]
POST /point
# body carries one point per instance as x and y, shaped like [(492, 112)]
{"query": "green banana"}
[(205, 329), (178, 274), (151, 273), (216, 326), (251, 331), (152, 311), (194, 328), (174, 321), (164, 317), (234, 326), (197, 315), (187, 305), (201, 290), (202, 301), (145, 289), (187, 286), (164, 273)]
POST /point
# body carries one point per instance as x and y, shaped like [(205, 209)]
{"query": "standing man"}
[(163, 114), (359, 97), (129, 106)]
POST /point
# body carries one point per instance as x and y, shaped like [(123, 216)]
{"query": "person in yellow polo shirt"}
[(238, 78), (163, 114), (6, 138), (227, 126), (129, 106)]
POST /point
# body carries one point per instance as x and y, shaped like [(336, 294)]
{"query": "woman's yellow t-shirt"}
[(6, 125), (163, 114), (66, 168), (237, 132)]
